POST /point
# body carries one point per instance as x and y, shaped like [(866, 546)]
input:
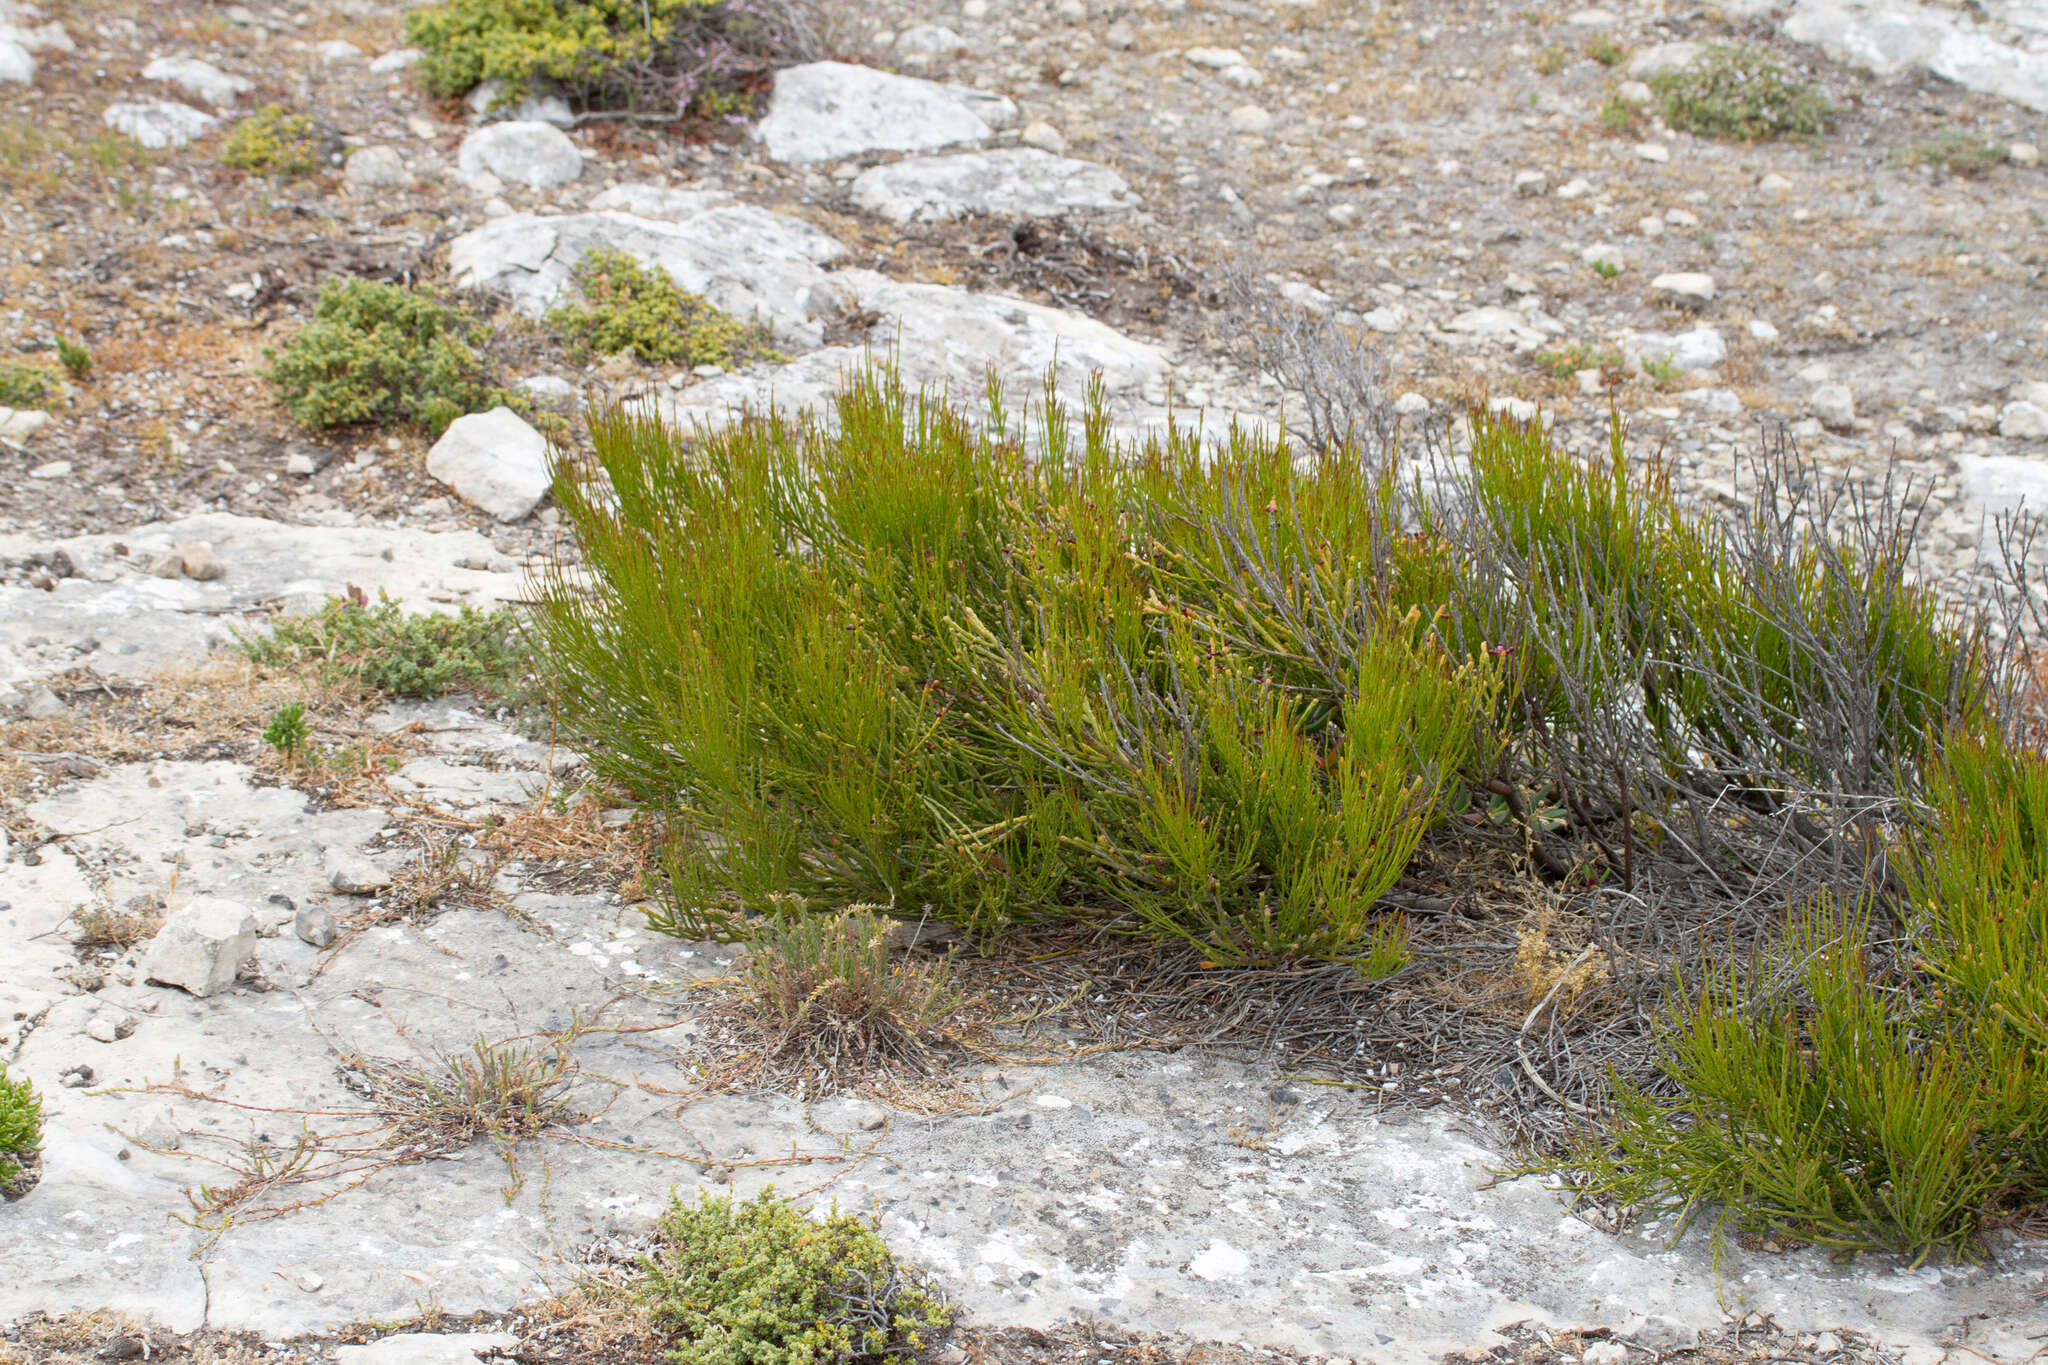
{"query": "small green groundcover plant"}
[(634, 309), (385, 649), (21, 1129), (26, 386), (760, 1282), (382, 353), (271, 142), (1956, 152), (1742, 93)]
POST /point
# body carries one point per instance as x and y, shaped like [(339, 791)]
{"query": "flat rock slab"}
[(1889, 36), (117, 617), (749, 262), (828, 110), (522, 152), (1015, 182)]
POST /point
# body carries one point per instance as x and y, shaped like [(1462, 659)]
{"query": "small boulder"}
[(1685, 286), (315, 925), (2023, 421), (158, 124), (201, 947), (202, 80), (527, 152), (1833, 405), (353, 875), (373, 168), (825, 111), (16, 65), (495, 460)]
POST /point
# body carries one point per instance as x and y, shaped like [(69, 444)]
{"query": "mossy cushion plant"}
[(760, 1282), (26, 386), (383, 648), (381, 353), (21, 1130), (1742, 93), (639, 310), (271, 142), (648, 58)]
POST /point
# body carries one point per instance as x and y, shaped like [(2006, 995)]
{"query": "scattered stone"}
[(1720, 402), (929, 40), (1575, 188), (546, 387), (202, 80), (1250, 118), (487, 102), (1653, 151), (1342, 215), (824, 111), (2029, 391), (1604, 252), (1530, 184), (1592, 381), (1833, 405), (2023, 421), (1216, 58), (1385, 319), (1519, 410), (16, 64), (527, 152), (428, 1348), (1121, 36), (1605, 1353), (2023, 154), (1634, 92), (1014, 182), (49, 37), (1773, 183), (18, 424), (398, 59), (314, 924), (300, 465), (158, 124), (197, 561), (352, 874), (374, 168), (337, 52), (1495, 323), (1702, 348), (1042, 135), (1826, 1344), (201, 947), (495, 461), (1688, 287)]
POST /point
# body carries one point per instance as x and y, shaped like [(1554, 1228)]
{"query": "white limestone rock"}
[(1889, 36), (522, 152), (17, 65), (201, 80), (496, 461), (827, 110), (1014, 182), (749, 262), (201, 947), (158, 124)]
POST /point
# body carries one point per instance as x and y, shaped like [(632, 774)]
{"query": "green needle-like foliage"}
[(905, 662), (383, 648), (636, 309)]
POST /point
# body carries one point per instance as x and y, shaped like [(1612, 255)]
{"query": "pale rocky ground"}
[(1406, 167)]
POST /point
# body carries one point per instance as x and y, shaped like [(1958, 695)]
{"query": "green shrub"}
[(758, 1282), (646, 58), (271, 142), (904, 661), (1568, 360), (288, 732), (639, 310), (77, 361), (21, 1129), (1859, 1092), (1742, 93), (26, 386), (1955, 152), (381, 353), (1606, 51), (384, 649)]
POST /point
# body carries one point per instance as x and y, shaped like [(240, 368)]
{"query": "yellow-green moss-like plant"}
[(21, 1130), (271, 142), (639, 310), (26, 386), (760, 1282), (647, 58), (381, 353), (1741, 93)]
